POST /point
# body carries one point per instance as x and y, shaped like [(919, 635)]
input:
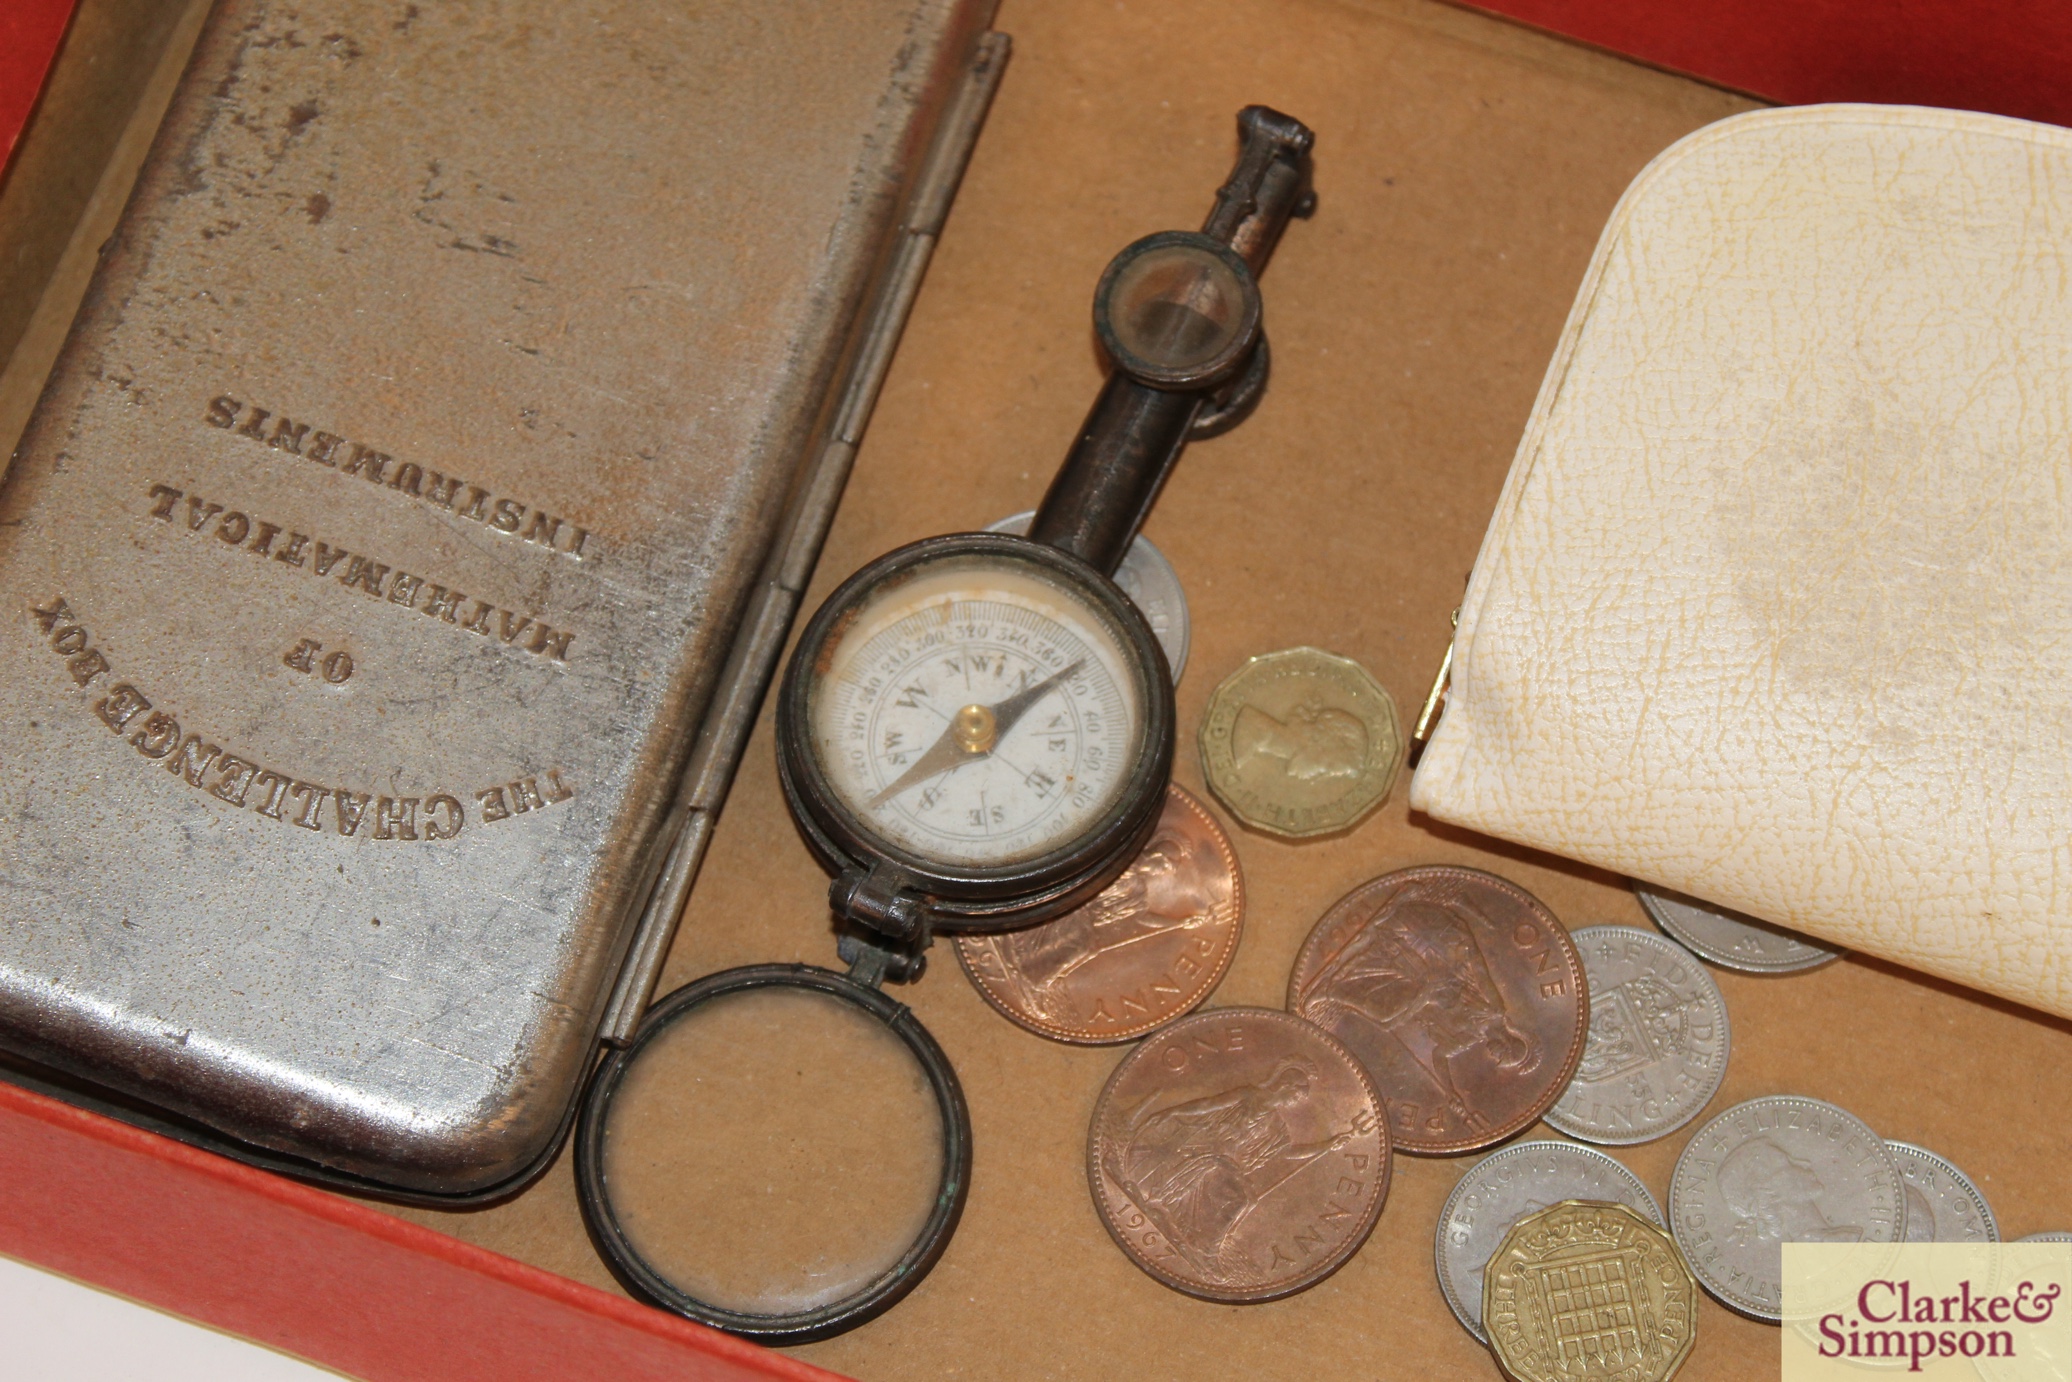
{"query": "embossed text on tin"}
[(524, 521), (158, 736), (357, 571)]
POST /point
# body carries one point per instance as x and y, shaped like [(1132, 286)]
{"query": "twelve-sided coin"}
[(1301, 742), (1589, 1290), (1505, 1186)]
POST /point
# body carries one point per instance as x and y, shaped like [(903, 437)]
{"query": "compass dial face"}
[(978, 713)]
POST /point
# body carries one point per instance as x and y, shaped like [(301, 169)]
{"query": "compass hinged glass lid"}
[(975, 731), (981, 722)]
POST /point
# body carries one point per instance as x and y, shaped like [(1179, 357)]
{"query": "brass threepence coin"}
[(1239, 1155), (1148, 949), (1460, 993), (1730, 939), (1658, 1039), (1505, 1186), (1301, 742), (1589, 1290), (1779, 1170)]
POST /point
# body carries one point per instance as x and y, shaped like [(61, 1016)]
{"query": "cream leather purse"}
[(1776, 606)]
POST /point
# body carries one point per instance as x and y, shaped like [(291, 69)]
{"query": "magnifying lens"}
[(975, 733), (780, 1152)]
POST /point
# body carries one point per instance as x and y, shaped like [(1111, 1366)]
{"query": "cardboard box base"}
[(1465, 167)]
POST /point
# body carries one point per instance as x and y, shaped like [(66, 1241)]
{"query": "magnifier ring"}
[(607, 1224)]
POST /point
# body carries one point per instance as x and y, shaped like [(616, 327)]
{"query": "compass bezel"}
[(1008, 895)]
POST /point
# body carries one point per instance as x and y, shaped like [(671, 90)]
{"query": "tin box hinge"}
[(889, 926), (1435, 700), (933, 192), (757, 646)]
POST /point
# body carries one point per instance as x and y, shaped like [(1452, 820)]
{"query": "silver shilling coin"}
[(2056, 1235), (1148, 579), (1775, 1170), (1658, 1042), (1729, 939), (1943, 1205), (1505, 1186)]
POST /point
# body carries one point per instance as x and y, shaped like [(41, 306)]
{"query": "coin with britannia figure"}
[(1239, 1155), (1148, 949), (1658, 1042), (1301, 742), (1589, 1290), (1777, 1170), (1460, 993), (1505, 1186)]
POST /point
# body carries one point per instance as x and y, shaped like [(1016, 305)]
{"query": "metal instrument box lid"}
[(379, 541)]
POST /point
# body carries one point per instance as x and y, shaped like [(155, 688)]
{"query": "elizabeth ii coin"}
[(1505, 1186), (1777, 1170), (1658, 1040)]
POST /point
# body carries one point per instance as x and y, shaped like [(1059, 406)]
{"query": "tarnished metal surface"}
[(381, 537)]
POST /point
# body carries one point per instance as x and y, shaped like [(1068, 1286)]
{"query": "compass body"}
[(986, 721)]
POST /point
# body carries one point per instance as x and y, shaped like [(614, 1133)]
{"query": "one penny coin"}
[(1589, 1290), (1460, 993), (1239, 1155), (1149, 949), (1301, 742)]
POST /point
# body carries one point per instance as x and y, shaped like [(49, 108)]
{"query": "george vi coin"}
[(1239, 1155), (2057, 1235), (1731, 940), (1943, 1205), (1459, 992), (1301, 742), (1505, 1186), (1658, 1042), (1589, 1290), (1147, 578), (1776, 1170), (1148, 949)]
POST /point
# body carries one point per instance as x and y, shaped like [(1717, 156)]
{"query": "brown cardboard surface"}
[(1464, 168)]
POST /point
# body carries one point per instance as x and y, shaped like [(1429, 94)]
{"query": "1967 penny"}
[(1239, 1155), (1460, 993), (1150, 948)]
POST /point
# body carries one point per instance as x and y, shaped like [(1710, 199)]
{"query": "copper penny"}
[(1459, 992), (1149, 949), (1239, 1155)]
